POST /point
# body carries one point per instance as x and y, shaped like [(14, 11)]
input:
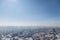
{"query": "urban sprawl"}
[(32, 35)]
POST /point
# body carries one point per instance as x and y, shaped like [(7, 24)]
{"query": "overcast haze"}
[(29, 12)]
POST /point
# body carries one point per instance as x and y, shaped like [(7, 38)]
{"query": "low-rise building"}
[(39, 36)]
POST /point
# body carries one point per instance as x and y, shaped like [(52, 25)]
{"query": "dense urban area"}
[(21, 33)]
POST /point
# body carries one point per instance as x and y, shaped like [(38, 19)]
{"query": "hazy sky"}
[(29, 12)]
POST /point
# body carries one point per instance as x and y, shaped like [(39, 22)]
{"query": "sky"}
[(29, 12)]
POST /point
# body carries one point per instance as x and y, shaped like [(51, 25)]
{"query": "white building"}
[(7, 37), (38, 36), (29, 38), (20, 38)]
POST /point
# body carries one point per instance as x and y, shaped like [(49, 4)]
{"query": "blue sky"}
[(29, 12)]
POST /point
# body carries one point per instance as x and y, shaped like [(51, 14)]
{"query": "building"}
[(39, 36), (6, 37)]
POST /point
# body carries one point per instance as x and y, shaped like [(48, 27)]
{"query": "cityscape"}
[(29, 19), (30, 33)]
